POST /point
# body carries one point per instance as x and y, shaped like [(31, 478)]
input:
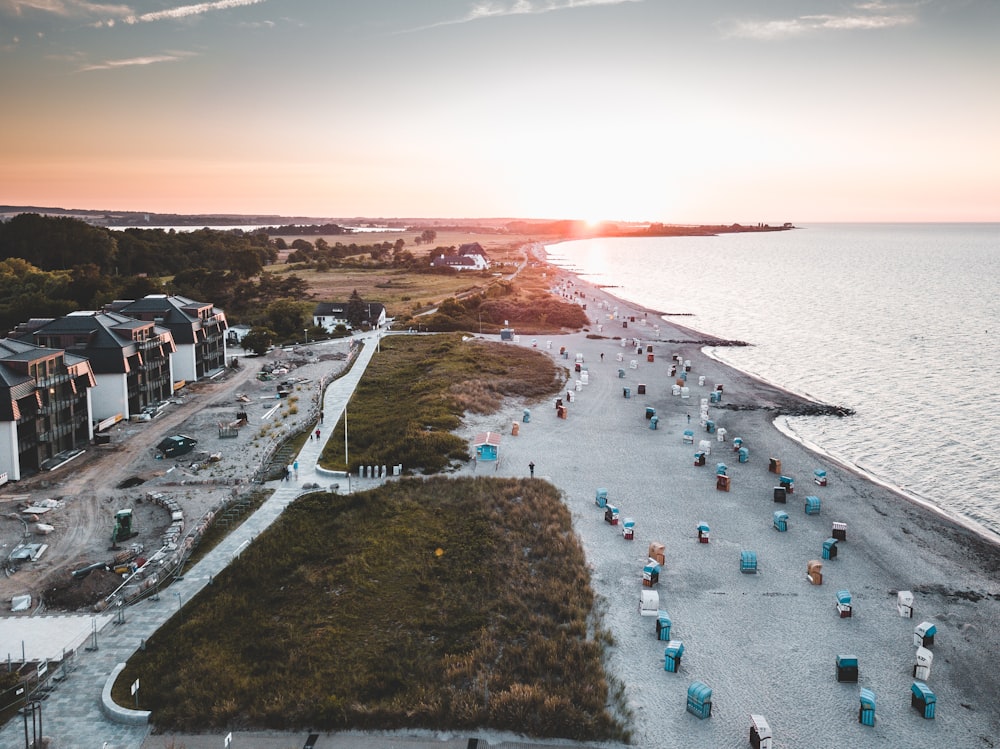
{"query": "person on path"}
[(689, 418), (317, 434), (602, 356), (531, 469)]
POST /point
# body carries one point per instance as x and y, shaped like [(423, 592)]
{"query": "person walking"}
[(531, 469)]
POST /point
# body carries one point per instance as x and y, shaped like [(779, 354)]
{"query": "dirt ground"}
[(128, 473)]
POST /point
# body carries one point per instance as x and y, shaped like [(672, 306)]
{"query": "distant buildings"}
[(62, 378)]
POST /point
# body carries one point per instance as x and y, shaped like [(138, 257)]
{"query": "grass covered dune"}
[(426, 603)]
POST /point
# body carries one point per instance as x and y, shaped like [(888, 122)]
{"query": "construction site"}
[(75, 536)]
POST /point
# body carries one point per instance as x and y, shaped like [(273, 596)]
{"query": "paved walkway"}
[(71, 714)]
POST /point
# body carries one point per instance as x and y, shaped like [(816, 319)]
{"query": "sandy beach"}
[(765, 643)]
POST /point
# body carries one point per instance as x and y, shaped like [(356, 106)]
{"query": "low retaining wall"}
[(115, 712)]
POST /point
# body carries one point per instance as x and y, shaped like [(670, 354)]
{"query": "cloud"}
[(482, 10), (184, 11), (133, 61), (64, 8), (863, 17)]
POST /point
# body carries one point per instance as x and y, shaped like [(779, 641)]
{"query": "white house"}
[(328, 315)]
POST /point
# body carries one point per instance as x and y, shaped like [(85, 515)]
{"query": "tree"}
[(287, 317), (258, 340), (355, 314)]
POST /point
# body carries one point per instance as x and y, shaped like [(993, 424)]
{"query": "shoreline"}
[(895, 543), (806, 404)]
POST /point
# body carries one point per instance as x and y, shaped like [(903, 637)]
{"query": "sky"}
[(678, 111)]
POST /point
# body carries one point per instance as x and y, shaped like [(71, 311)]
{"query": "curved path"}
[(73, 714)]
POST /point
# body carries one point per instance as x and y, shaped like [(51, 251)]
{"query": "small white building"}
[(328, 315)]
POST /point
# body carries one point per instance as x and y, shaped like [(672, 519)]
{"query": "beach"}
[(764, 643)]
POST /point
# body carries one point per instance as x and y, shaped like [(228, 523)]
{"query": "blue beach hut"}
[(715, 396), (866, 713), (628, 529), (780, 521), (922, 699), (688, 436), (663, 624), (602, 497), (699, 700), (611, 515), (744, 454), (699, 458), (672, 656), (526, 415), (720, 469), (710, 426), (812, 505), (650, 411), (847, 668), (626, 392), (788, 482), (487, 446), (737, 443), (654, 422), (819, 476), (748, 562)]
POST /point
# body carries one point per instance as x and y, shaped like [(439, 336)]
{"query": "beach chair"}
[(672, 656), (760, 732), (699, 700), (866, 713), (845, 606), (847, 668), (663, 625), (922, 699), (923, 634)]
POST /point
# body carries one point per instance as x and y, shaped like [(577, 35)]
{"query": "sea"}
[(898, 322)]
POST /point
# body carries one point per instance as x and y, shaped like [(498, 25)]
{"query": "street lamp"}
[(306, 331)]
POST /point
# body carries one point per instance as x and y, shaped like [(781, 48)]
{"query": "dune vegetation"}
[(426, 603), (416, 390)]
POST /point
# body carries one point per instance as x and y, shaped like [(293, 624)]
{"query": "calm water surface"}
[(898, 322)]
